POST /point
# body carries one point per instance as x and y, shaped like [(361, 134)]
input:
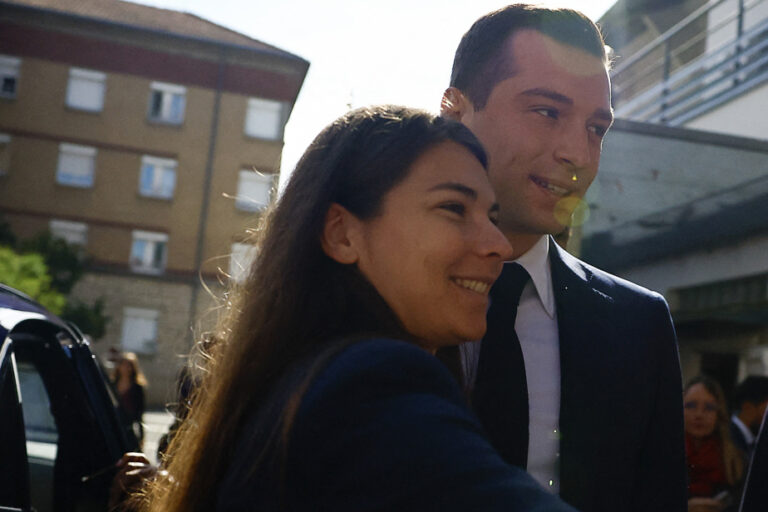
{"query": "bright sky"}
[(361, 52)]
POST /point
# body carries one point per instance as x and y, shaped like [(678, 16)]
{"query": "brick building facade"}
[(150, 137)]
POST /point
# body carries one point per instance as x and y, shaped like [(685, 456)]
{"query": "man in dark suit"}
[(579, 383), (750, 399), (755, 498)]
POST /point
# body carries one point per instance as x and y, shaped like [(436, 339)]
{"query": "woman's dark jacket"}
[(384, 426)]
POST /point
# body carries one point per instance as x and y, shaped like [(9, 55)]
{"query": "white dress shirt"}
[(536, 327), (749, 437)]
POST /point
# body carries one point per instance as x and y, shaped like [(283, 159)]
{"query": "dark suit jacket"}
[(621, 413), (755, 497), (383, 427)]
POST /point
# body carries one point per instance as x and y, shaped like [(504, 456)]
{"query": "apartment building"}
[(150, 137)]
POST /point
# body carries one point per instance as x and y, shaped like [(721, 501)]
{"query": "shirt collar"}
[(748, 435), (536, 263)]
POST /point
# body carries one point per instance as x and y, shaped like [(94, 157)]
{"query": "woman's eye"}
[(494, 218), (456, 208)]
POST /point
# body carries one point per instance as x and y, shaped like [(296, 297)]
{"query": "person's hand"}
[(705, 505), (134, 469)]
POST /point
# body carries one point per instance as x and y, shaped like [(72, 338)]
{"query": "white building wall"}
[(746, 116)]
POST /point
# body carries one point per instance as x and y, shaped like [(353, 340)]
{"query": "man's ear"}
[(338, 235), (454, 104)]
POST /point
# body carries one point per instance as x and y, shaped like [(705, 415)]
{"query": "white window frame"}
[(168, 91), (5, 153), (74, 233), (241, 259), (85, 89), (128, 337), (249, 182), (144, 264), (84, 178), (265, 119), (160, 168), (9, 68)]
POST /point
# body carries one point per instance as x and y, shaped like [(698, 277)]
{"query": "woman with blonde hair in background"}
[(715, 465)]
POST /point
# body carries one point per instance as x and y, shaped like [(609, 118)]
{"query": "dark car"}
[(60, 426)]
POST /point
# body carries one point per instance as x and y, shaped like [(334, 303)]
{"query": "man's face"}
[(543, 129)]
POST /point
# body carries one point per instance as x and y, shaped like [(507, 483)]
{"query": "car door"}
[(14, 473), (73, 436)]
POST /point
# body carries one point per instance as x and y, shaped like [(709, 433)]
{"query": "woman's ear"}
[(338, 237), (454, 104)]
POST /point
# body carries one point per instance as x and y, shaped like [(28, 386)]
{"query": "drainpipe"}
[(208, 179)]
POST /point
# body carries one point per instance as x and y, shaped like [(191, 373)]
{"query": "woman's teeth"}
[(475, 286)]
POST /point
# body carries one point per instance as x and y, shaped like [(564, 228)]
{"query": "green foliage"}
[(46, 268), (65, 262), (89, 318), (29, 274)]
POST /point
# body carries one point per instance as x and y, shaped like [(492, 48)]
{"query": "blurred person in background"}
[(323, 392), (129, 382), (755, 497), (715, 464), (750, 399)]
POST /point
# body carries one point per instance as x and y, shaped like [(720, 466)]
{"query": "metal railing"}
[(676, 77)]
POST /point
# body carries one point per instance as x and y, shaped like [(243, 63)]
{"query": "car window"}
[(42, 435), (38, 421)]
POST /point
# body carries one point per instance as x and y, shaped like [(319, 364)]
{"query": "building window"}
[(254, 190), (148, 252), (166, 102), (9, 75), (139, 330), (74, 233), (76, 165), (85, 90), (240, 260), (157, 177), (5, 153), (264, 119)]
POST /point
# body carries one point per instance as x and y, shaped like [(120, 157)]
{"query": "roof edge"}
[(182, 37), (691, 135)]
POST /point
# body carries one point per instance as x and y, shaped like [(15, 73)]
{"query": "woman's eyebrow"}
[(458, 187)]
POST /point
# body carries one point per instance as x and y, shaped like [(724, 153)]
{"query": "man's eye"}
[(494, 218), (599, 130), (548, 112)]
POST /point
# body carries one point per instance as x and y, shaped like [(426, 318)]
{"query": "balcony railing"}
[(698, 64)]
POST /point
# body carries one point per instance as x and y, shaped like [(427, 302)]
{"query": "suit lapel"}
[(585, 333)]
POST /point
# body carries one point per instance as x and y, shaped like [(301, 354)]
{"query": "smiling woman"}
[(434, 251), (322, 393)]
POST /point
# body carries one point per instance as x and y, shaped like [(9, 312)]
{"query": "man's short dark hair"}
[(753, 389), (480, 62)]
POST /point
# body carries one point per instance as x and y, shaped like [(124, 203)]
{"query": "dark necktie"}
[(500, 395)]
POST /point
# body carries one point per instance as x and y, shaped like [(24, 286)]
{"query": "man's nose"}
[(573, 148)]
